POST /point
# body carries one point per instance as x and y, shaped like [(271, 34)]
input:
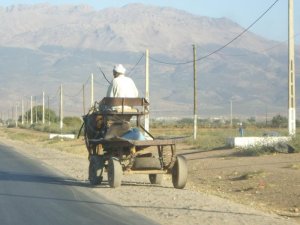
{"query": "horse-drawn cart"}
[(119, 148)]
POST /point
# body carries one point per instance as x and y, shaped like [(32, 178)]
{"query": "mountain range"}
[(44, 46)]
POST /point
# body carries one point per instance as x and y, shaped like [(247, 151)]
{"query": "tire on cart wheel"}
[(155, 178), (179, 173), (95, 170), (114, 173)]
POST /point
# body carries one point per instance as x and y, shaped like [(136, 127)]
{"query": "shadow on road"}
[(42, 198), (11, 176)]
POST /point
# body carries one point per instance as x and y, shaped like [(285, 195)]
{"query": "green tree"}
[(251, 120), (72, 121), (297, 123), (279, 121), (37, 115)]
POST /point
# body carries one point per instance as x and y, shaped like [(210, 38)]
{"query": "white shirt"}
[(122, 87)]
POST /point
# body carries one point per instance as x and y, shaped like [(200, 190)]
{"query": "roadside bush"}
[(279, 121), (295, 143), (72, 121), (37, 114), (255, 151)]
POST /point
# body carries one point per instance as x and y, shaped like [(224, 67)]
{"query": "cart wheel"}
[(155, 178), (179, 173), (95, 170), (114, 173)]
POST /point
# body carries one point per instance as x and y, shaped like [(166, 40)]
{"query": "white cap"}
[(119, 68)]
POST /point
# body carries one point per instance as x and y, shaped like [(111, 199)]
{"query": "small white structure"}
[(243, 142), (69, 136)]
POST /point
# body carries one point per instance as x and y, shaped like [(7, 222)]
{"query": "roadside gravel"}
[(163, 204)]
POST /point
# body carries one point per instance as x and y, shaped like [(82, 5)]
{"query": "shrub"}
[(72, 121)]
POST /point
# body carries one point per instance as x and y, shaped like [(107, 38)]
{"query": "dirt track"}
[(268, 182), (163, 203)]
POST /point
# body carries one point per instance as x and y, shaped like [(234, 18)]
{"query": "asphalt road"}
[(31, 194)]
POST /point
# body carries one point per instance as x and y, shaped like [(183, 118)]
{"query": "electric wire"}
[(80, 90), (103, 74), (100, 84), (262, 50), (132, 69), (75, 95), (222, 47), (87, 80)]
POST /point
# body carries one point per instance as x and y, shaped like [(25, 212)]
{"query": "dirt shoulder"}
[(270, 182), (211, 174)]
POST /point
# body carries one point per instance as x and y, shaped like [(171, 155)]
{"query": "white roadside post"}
[(43, 116), (291, 72), (92, 90), (17, 115), (61, 108), (147, 95), (195, 94), (31, 111), (22, 112)]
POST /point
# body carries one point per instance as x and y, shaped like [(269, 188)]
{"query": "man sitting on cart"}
[(121, 87)]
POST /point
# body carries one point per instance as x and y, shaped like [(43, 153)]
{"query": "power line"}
[(222, 47), (132, 69), (75, 95), (103, 74), (101, 84), (262, 50), (54, 98), (87, 80)]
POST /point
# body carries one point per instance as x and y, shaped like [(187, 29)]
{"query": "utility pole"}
[(31, 116), (22, 112), (291, 72), (92, 90), (26, 113), (266, 116), (43, 117), (147, 93), (48, 110), (195, 94), (230, 113), (36, 111), (61, 107), (17, 115), (83, 99)]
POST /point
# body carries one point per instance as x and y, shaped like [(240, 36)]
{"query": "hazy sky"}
[(273, 25)]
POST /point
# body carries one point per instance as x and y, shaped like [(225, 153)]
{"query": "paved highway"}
[(30, 194)]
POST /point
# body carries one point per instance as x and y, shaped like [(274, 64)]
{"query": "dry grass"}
[(295, 166), (41, 139), (207, 138), (250, 175)]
